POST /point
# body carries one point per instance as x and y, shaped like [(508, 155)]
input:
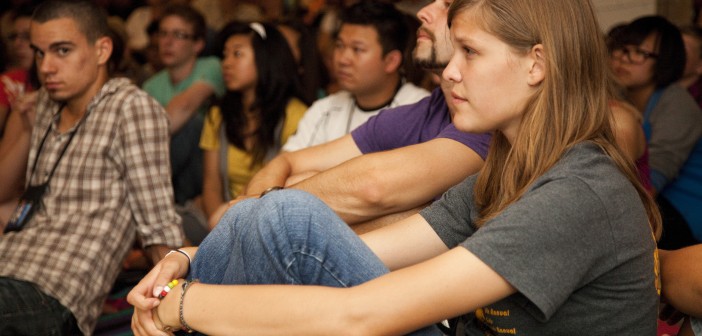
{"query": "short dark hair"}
[(189, 15), (389, 23), (670, 48), (90, 18), (23, 11)]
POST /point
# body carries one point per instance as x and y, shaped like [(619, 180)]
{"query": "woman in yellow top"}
[(256, 116)]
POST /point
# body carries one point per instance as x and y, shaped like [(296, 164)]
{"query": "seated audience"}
[(404, 145), (258, 113), (368, 57), (493, 250), (96, 165), (647, 59)]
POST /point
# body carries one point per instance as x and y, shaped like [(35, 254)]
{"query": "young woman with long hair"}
[(260, 110), (554, 236)]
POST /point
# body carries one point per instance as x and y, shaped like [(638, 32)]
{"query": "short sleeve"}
[(209, 140), (293, 114), (452, 215)]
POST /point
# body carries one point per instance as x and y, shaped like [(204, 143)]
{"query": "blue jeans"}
[(25, 310), (286, 237)]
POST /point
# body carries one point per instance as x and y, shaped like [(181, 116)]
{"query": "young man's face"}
[(177, 44), (67, 64), (433, 50), (359, 63)]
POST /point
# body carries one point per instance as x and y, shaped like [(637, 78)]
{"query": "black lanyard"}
[(63, 151)]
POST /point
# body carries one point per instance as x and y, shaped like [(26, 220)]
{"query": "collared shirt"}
[(112, 182)]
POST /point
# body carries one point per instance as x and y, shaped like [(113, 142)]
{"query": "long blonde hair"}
[(571, 105)]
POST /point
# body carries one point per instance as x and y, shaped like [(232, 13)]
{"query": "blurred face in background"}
[(359, 63), (633, 66), (177, 44), (20, 50)]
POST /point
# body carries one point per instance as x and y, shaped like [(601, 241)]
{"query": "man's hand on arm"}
[(185, 104), (304, 162)]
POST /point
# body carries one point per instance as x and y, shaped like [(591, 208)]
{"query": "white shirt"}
[(334, 116)]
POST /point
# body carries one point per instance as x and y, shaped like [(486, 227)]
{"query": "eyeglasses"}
[(634, 55), (178, 35)]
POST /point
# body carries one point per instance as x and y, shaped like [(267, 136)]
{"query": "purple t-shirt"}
[(415, 123)]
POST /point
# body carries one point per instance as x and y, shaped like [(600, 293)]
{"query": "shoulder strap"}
[(273, 151), (224, 163)]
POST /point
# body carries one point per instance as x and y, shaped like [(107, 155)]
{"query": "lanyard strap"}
[(63, 151)]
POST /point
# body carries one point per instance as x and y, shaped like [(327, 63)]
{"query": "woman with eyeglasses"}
[(647, 57)]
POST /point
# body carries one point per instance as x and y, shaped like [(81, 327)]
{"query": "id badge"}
[(28, 205)]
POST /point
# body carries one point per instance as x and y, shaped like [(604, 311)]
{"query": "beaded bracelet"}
[(186, 327), (167, 288)]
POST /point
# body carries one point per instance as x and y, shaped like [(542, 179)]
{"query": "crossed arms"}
[(360, 187)]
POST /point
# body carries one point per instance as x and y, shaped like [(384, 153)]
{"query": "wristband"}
[(190, 260)]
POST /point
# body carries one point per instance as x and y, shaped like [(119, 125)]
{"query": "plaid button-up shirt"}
[(112, 182)]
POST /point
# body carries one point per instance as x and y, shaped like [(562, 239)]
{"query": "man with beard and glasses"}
[(394, 164)]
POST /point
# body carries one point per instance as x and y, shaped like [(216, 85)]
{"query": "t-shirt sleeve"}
[(452, 215), (209, 140), (675, 129), (293, 114), (412, 124), (546, 244), (392, 128), (479, 143)]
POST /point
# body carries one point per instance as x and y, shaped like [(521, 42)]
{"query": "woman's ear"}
[(537, 71)]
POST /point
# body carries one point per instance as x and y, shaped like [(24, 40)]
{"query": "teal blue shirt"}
[(206, 69)]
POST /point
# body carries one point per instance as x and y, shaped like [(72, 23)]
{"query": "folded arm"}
[(185, 104), (306, 161), (383, 183)]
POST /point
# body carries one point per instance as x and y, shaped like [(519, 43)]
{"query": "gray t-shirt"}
[(577, 247)]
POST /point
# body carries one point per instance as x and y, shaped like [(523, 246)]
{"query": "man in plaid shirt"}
[(95, 160)]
